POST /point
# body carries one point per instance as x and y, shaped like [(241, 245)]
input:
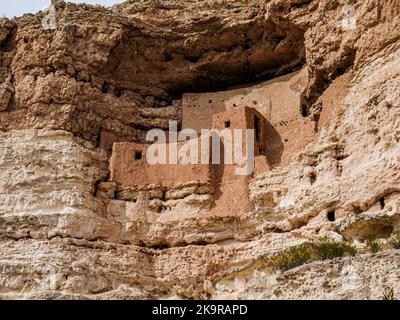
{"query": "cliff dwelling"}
[(310, 209), (272, 109)]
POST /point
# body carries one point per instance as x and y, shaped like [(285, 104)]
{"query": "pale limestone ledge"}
[(47, 182), (68, 268), (43, 169), (365, 276)]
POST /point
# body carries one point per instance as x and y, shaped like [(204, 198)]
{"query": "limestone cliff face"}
[(108, 75)]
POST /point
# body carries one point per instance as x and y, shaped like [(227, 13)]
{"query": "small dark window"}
[(168, 56), (313, 178), (164, 195), (304, 110), (234, 105), (331, 215), (257, 127), (227, 124), (138, 155), (104, 88), (382, 202), (209, 101)]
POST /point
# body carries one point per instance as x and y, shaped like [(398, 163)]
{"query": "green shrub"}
[(328, 249), (395, 241), (388, 294), (322, 249), (373, 246), (292, 258)]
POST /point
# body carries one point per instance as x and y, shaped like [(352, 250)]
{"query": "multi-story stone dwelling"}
[(271, 109)]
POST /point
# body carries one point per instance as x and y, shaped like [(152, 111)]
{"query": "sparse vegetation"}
[(322, 249), (395, 240), (388, 294), (373, 245), (292, 258), (328, 249)]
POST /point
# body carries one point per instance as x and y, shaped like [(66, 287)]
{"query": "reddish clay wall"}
[(232, 193), (244, 118), (278, 100), (130, 172), (198, 110), (282, 132)]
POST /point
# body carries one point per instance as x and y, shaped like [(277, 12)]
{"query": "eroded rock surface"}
[(104, 76)]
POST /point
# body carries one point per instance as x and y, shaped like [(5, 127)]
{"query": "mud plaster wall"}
[(128, 171), (278, 100), (244, 118), (232, 191), (129, 166)]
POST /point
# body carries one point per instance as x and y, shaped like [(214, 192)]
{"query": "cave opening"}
[(217, 81), (331, 215), (217, 66), (382, 203), (304, 110)]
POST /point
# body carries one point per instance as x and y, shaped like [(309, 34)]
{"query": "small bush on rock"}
[(395, 240), (388, 294), (373, 246), (293, 257), (322, 249), (328, 249)]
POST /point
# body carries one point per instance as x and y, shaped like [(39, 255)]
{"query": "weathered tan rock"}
[(109, 75), (6, 91)]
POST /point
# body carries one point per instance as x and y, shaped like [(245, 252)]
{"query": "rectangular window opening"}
[(138, 155), (257, 128)]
